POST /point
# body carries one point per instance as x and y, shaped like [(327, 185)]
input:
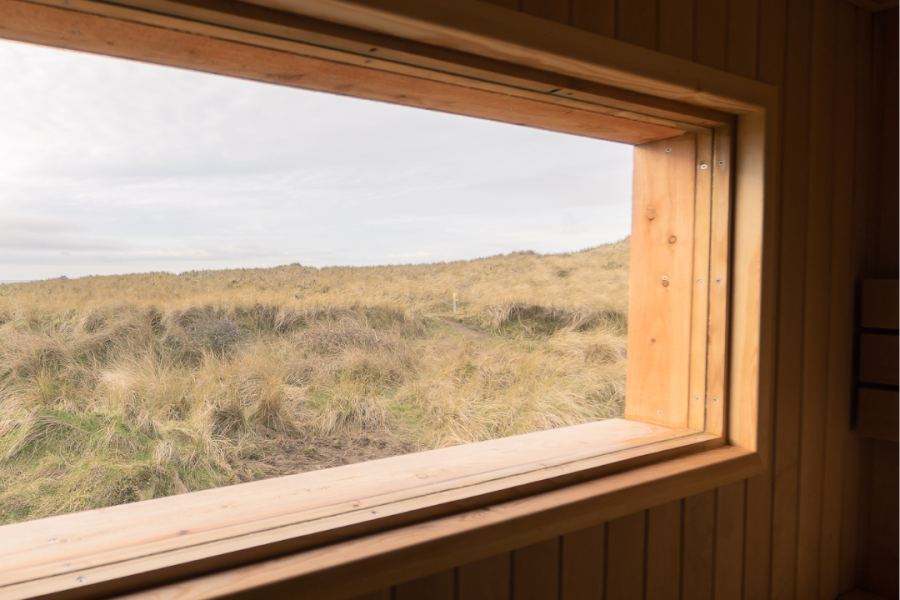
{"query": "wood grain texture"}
[(817, 305), (785, 53), (791, 285), (844, 266), (878, 358), (883, 234), (851, 513), (663, 580), (552, 10), (598, 16), (711, 33), (385, 594), (439, 586), (536, 571), (879, 411), (880, 302), (719, 285), (729, 545), (636, 22), (583, 559), (698, 543), (704, 335), (676, 28), (661, 285), (882, 573), (743, 34), (487, 579), (625, 557), (347, 569)]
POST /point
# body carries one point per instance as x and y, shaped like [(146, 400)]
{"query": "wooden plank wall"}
[(878, 559), (792, 533)]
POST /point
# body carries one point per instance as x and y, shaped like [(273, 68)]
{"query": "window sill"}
[(131, 546)]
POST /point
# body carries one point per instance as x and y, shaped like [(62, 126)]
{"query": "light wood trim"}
[(479, 28), (351, 568), (250, 521), (261, 26), (25, 21), (751, 333), (716, 399), (532, 43), (879, 414), (700, 331), (661, 283), (881, 304)]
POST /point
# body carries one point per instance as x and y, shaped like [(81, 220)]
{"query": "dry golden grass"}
[(121, 388)]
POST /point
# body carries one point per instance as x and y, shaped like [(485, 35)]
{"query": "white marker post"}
[(455, 302)]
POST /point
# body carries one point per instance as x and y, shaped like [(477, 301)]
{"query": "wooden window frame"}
[(408, 516)]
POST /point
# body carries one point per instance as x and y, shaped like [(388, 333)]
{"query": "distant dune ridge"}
[(121, 388)]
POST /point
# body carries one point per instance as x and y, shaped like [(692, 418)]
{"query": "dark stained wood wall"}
[(879, 506), (794, 532)]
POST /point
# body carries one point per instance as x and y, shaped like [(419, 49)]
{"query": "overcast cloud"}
[(109, 166)]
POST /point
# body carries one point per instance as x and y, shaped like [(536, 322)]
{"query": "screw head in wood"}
[(715, 399), (668, 149), (703, 166), (700, 282), (721, 163)]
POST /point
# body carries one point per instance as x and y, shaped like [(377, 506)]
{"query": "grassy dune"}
[(121, 388)]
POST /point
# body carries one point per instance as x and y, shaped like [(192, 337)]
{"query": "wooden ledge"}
[(129, 546), (356, 567)]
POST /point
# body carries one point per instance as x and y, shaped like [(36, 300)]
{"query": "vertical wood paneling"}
[(743, 29), (881, 567), (698, 542), (771, 36), (440, 586), (536, 571), (487, 579), (625, 557), (883, 238), (729, 553), (582, 564), (513, 4), (791, 532), (711, 33), (850, 513), (772, 30), (786, 427), (817, 299), (676, 28), (379, 595), (663, 579), (598, 16), (841, 317), (553, 10), (636, 22)]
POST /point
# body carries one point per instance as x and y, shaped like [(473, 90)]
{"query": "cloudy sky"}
[(109, 166)]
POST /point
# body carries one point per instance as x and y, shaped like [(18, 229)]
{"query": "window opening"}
[(236, 281)]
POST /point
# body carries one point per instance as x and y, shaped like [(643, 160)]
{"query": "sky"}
[(110, 166)]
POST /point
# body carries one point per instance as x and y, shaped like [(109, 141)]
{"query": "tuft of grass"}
[(124, 388)]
